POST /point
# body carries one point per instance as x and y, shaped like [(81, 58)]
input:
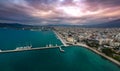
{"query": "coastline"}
[(90, 48), (99, 53), (60, 38)]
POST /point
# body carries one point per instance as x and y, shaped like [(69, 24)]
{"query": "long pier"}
[(30, 49)]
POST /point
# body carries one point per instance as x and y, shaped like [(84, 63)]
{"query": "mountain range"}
[(111, 24)]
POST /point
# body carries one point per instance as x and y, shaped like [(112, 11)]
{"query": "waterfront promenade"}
[(60, 38)]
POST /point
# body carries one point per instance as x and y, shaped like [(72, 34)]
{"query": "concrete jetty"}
[(61, 49), (30, 49)]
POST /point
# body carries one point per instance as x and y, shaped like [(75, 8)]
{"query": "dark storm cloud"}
[(105, 2), (11, 11), (47, 11)]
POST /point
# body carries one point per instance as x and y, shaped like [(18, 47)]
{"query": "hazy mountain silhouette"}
[(13, 25), (111, 24)]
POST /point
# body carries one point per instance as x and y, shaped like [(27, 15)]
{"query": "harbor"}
[(30, 48), (46, 55)]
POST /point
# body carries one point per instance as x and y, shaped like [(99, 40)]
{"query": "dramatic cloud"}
[(39, 12)]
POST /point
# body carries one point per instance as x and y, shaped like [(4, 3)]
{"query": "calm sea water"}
[(74, 58)]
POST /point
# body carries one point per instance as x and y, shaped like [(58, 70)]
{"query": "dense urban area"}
[(105, 40)]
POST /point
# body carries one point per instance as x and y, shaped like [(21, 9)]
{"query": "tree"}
[(108, 51)]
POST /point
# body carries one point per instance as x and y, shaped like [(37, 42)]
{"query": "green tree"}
[(108, 51)]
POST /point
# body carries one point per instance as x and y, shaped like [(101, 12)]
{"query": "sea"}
[(73, 59)]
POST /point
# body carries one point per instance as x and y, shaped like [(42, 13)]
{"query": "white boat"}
[(24, 47)]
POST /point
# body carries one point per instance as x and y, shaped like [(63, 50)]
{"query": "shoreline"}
[(99, 53), (60, 38), (90, 48)]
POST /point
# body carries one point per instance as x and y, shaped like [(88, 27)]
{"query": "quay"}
[(30, 49)]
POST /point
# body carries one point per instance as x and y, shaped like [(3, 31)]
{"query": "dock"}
[(20, 49), (30, 49)]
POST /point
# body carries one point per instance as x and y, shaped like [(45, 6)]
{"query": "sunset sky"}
[(72, 12)]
